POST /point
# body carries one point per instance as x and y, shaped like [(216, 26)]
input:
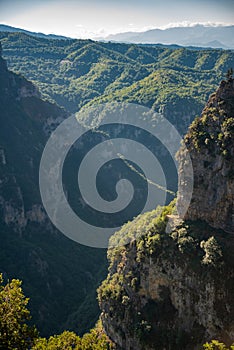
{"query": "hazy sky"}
[(92, 18)]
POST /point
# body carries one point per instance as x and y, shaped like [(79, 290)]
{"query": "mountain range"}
[(75, 72), (198, 35), (10, 29), (47, 80)]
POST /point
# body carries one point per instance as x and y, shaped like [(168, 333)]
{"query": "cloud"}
[(193, 24), (138, 29), (84, 32)]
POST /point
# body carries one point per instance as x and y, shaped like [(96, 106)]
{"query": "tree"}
[(15, 333), (216, 345), (229, 74), (96, 339), (64, 341)]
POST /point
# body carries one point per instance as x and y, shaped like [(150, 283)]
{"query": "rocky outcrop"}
[(174, 290), (170, 291), (211, 147)]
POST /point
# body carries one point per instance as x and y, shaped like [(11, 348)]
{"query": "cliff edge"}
[(211, 147), (176, 290)]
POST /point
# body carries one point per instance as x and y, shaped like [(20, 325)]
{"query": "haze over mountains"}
[(6, 28), (197, 35)]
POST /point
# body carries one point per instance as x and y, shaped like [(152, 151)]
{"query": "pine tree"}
[(15, 333)]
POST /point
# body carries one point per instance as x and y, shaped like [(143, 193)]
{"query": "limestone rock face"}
[(26, 121), (170, 291), (174, 290), (210, 142)]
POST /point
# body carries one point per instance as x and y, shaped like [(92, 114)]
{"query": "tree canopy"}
[(15, 333)]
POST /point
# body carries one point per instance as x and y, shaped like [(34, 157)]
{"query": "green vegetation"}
[(140, 271), (96, 339), (212, 133), (16, 334), (60, 276), (213, 252), (212, 130), (216, 345), (76, 72)]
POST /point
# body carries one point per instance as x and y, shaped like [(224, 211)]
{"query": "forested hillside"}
[(73, 72), (59, 276)]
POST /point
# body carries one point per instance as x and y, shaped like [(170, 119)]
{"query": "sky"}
[(98, 18)]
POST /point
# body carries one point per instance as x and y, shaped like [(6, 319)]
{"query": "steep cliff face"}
[(176, 290), (211, 147), (24, 123), (58, 274)]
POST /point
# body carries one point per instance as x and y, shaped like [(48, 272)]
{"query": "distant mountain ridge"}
[(75, 72), (6, 28), (218, 37), (198, 35)]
